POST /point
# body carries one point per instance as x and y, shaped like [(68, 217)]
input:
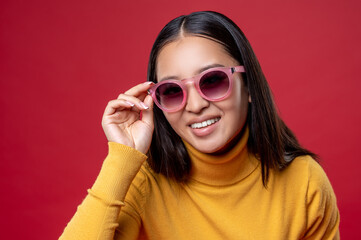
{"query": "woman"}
[(221, 163)]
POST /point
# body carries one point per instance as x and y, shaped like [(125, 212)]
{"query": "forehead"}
[(185, 56)]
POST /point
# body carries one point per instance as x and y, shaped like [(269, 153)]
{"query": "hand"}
[(121, 120)]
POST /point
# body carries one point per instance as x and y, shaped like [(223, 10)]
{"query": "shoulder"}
[(322, 215), (305, 168), (142, 178), (305, 176), (147, 186), (319, 188), (299, 171), (147, 179), (310, 172)]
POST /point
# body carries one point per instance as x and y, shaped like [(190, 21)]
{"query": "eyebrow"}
[(198, 72)]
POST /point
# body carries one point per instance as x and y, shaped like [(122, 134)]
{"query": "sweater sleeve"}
[(97, 216), (322, 213)]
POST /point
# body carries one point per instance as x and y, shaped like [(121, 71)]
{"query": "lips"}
[(205, 123)]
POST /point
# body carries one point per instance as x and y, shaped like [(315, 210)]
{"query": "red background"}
[(62, 61)]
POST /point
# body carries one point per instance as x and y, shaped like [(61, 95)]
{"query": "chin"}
[(207, 150), (215, 146), (209, 147)]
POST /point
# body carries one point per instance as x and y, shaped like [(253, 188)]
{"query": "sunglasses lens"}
[(214, 85), (169, 95)]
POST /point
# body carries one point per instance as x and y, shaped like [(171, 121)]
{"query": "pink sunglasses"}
[(214, 84)]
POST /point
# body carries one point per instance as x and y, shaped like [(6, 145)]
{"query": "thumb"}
[(147, 114)]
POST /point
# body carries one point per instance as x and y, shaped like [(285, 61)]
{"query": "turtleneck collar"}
[(222, 169)]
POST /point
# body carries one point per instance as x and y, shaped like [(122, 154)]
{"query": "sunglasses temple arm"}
[(238, 69)]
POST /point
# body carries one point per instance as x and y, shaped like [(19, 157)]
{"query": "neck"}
[(224, 168)]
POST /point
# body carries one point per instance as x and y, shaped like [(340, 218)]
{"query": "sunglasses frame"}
[(195, 81)]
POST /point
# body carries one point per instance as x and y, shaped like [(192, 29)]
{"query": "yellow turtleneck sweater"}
[(224, 199)]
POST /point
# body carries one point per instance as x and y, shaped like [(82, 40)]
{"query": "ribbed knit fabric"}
[(97, 216), (222, 169), (224, 199)]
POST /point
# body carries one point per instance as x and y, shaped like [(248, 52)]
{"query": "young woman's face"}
[(186, 58)]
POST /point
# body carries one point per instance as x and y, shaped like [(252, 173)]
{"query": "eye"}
[(171, 90), (168, 89), (212, 78)]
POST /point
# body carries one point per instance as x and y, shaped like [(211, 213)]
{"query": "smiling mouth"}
[(205, 123)]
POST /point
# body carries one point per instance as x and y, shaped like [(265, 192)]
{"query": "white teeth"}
[(205, 123)]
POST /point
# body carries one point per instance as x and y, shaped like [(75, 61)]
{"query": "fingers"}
[(147, 115), (136, 95), (130, 100), (140, 90), (118, 104), (129, 118), (134, 102)]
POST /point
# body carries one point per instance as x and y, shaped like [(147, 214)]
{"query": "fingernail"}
[(143, 105), (148, 83), (129, 103)]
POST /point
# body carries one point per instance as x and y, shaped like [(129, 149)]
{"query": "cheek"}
[(241, 95), (236, 107), (236, 100), (174, 119), (235, 116)]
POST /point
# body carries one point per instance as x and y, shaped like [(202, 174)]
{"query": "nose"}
[(195, 102)]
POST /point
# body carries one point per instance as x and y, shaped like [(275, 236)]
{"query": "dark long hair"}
[(270, 140)]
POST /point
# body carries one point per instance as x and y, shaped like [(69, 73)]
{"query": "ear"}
[(249, 98)]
